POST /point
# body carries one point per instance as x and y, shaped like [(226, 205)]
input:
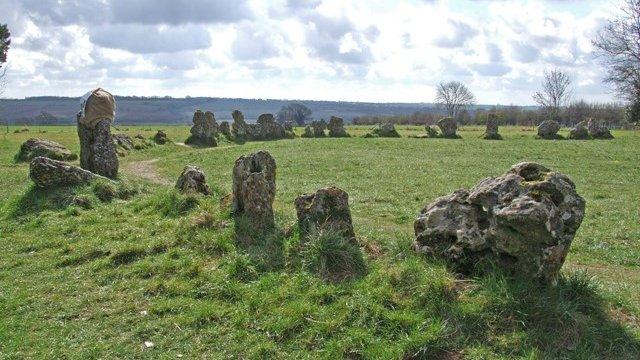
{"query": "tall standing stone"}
[(336, 127), (204, 129), (491, 133), (254, 189), (97, 150), (239, 128)]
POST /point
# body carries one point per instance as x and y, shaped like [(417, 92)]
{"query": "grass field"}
[(164, 269)]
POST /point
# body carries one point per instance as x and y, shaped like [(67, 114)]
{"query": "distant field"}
[(98, 283)]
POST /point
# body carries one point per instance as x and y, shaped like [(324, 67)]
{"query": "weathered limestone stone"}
[(225, 129), (48, 173), (192, 180), (327, 208), (548, 129), (308, 132), (160, 137), (384, 130), (491, 132), (123, 141), (598, 130), (431, 131), (448, 127), (579, 132), (204, 129), (524, 221), (254, 189), (35, 147), (336, 127), (240, 129), (97, 149), (268, 129), (318, 127)]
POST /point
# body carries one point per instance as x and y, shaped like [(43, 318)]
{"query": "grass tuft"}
[(332, 256)]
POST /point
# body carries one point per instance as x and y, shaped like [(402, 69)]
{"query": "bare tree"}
[(555, 93), (617, 45), (5, 41), (454, 96)]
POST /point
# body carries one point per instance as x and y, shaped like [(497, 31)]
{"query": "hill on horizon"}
[(166, 110)]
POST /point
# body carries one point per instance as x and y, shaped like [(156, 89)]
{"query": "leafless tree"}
[(617, 45), (555, 93), (455, 97)]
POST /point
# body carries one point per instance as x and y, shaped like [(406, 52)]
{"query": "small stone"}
[(548, 129), (48, 173), (384, 130), (448, 127), (35, 147), (148, 344), (598, 130), (160, 137), (579, 132), (326, 209), (192, 180)]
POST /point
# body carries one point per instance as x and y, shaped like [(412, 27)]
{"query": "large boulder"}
[(524, 221), (491, 132), (192, 180), (268, 129), (35, 147), (336, 127), (97, 150), (548, 129), (48, 173), (254, 189), (204, 129), (326, 209), (598, 130), (448, 127), (579, 132), (384, 130)]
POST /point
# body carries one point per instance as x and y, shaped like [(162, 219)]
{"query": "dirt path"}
[(147, 170)]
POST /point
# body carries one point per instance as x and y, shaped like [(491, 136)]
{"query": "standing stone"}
[(268, 129), (448, 127), (431, 131), (35, 147), (548, 129), (318, 128), (336, 127), (160, 137), (491, 133), (326, 209), (239, 128), (254, 189), (308, 132), (523, 221), (192, 180), (225, 129), (48, 173), (579, 132), (598, 130), (204, 129), (384, 130)]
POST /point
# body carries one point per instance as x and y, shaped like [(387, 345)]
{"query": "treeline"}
[(614, 115)]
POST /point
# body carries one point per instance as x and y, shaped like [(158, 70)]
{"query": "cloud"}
[(254, 42), (149, 39), (337, 39), (524, 53), (177, 12), (497, 69), (457, 34)]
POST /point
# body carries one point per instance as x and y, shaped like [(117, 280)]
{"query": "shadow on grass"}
[(37, 200), (264, 250), (516, 318)]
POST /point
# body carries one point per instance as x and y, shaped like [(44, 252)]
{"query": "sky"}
[(359, 50)]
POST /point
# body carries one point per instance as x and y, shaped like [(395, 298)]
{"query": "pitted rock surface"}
[(598, 130), (548, 129), (204, 129), (327, 208), (97, 149), (35, 147), (579, 132), (491, 132), (336, 127), (448, 127), (192, 180), (254, 189), (48, 173), (524, 221)]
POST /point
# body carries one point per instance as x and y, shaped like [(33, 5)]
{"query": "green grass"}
[(144, 263)]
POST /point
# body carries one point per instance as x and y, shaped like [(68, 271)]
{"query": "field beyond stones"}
[(160, 275)]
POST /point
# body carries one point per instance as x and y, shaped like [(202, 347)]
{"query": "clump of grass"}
[(105, 191), (173, 204), (332, 256), (239, 267)]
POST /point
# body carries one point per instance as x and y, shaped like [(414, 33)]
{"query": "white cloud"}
[(319, 49)]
